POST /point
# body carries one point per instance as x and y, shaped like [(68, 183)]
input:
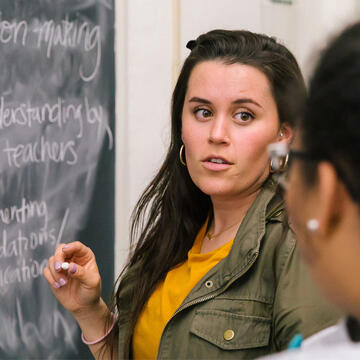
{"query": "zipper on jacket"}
[(210, 296)]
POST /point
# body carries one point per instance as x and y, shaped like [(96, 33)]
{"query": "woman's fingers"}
[(75, 251), (89, 277), (60, 277), (59, 258), (76, 248), (75, 260), (55, 278)]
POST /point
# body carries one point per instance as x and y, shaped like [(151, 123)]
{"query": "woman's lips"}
[(216, 163)]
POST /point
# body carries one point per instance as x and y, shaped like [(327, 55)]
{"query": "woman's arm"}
[(78, 289), (92, 324)]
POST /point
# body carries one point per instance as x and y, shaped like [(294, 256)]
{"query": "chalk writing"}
[(62, 227), (28, 270), (60, 114), (11, 32), (9, 340), (41, 151), (28, 115), (107, 3), (24, 244), (45, 331), (50, 34), (26, 210), (70, 34)]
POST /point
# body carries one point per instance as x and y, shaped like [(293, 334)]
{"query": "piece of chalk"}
[(65, 265)]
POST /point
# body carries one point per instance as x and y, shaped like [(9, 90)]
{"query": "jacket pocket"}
[(231, 331)]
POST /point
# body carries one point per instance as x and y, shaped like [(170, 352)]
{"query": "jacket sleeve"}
[(299, 308)]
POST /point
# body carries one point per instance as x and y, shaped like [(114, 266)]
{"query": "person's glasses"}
[(281, 157)]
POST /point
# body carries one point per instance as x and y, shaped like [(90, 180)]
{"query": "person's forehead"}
[(218, 78)]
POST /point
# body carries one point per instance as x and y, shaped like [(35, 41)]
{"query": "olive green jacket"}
[(251, 303)]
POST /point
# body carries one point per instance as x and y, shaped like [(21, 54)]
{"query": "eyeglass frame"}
[(282, 150)]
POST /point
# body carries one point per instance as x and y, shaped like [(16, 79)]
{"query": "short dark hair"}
[(330, 124)]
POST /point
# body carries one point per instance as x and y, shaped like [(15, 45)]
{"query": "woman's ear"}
[(331, 196), (286, 133)]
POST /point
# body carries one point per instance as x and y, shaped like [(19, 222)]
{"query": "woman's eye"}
[(202, 113), (243, 116)]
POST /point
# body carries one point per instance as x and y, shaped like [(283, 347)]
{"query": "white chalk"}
[(65, 265)]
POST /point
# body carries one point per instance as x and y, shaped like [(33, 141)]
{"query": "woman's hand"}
[(79, 287)]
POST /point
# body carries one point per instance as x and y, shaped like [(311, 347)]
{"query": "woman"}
[(206, 278), (323, 192)]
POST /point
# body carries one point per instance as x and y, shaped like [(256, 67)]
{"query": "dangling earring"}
[(312, 225), (272, 167), (181, 155), (284, 164), (280, 164)]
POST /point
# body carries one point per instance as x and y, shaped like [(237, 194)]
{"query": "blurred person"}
[(323, 192)]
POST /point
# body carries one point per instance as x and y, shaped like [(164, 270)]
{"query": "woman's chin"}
[(217, 190)]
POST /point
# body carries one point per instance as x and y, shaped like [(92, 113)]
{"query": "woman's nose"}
[(219, 131)]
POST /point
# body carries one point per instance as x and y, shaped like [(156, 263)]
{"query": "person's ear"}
[(331, 196), (286, 133)]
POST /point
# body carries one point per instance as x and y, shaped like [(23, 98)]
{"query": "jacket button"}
[(229, 335), (209, 284)]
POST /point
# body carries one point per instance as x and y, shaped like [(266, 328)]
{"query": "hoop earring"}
[(272, 170), (281, 167), (284, 165), (181, 155)]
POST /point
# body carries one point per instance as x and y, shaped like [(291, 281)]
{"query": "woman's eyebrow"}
[(246, 100), (237, 101), (200, 100)]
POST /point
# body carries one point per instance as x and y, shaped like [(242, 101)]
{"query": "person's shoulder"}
[(347, 351), (332, 342)]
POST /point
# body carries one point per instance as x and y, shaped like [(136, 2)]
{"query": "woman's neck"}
[(228, 215), (229, 210)]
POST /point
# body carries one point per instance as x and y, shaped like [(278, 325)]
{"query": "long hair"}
[(171, 210)]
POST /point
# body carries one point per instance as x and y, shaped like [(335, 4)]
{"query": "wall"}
[(144, 53), (150, 49)]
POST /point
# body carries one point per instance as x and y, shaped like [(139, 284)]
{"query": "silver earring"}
[(281, 134), (312, 225)]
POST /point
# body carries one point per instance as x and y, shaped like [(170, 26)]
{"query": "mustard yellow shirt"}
[(169, 295)]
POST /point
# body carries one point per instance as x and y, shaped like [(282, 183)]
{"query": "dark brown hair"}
[(172, 209), (330, 125)]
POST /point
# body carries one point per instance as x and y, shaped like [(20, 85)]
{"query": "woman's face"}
[(229, 117)]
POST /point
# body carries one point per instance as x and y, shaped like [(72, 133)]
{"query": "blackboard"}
[(56, 162)]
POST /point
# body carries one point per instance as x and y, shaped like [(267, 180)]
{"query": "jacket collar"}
[(251, 230), (247, 241)]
